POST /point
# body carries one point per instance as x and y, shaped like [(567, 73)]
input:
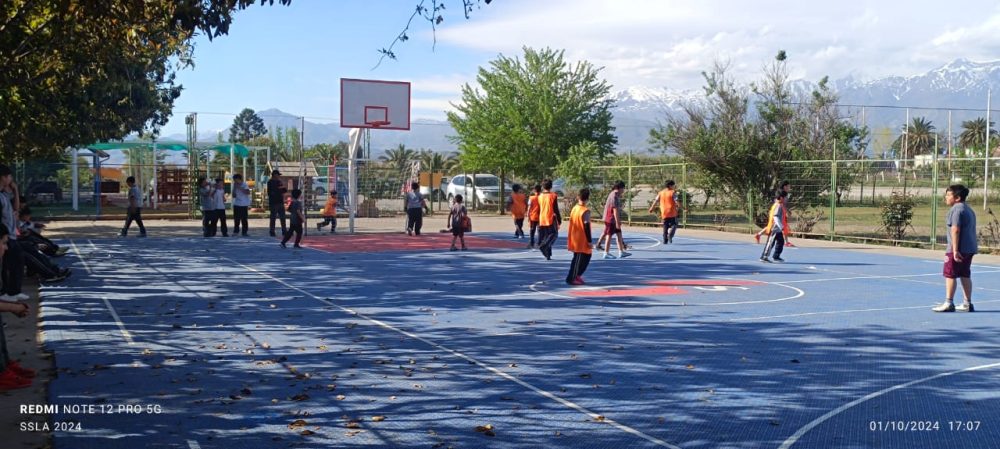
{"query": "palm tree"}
[(399, 158), (973, 136), (921, 136)]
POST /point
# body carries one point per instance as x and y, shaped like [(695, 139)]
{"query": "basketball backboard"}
[(374, 104)]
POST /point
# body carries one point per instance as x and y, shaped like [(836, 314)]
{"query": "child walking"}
[(579, 239), (517, 204), (667, 200), (775, 229), (456, 221), (533, 213), (329, 213), (134, 208), (298, 219)]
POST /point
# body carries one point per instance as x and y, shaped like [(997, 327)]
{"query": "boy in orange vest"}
[(579, 239), (776, 224), (787, 188), (533, 213), (329, 213), (548, 219), (517, 204), (667, 200)]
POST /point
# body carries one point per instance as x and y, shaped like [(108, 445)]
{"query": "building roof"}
[(293, 169)]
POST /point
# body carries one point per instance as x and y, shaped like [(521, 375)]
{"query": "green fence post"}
[(833, 193), (684, 196), (630, 186)]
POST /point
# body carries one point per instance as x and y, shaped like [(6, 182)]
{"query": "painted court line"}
[(114, 314), (816, 422), (505, 375), (80, 256), (871, 277), (193, 444), (835, 312), (799, 293)]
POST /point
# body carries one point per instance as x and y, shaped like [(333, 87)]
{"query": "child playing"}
[(533, 213), (295, 210), (456, 221), (329, 213), (775, 229), (613, 222), (787, 188), (579, 239), (134, 208), (667, 200), (517, 204)]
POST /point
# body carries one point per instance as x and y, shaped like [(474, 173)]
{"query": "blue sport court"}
[(236, 343)]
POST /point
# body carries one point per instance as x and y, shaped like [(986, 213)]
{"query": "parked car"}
[(320, 186), (487, 188)]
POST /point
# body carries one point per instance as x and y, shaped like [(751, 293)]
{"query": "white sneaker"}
[(6, 297), (624, 254), (21, 297), (607, 256)]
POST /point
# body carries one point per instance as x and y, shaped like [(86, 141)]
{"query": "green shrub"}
[(897, 215)]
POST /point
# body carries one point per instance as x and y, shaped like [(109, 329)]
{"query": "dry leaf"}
[(300, 397), (378, 418), (341, 397), (298, 423)]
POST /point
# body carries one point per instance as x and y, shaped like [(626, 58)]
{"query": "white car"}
[(487, 188)]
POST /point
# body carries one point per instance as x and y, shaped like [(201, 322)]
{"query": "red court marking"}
[(645, 291), (377, 243), (700, 282), (662, 288)]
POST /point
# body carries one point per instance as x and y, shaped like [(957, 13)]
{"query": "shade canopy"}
[(224, 148)]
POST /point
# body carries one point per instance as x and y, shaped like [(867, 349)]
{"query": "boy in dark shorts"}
[(613, 222), (579, 239), (962, 245), (456, 221), (298, 220), (775, 229)]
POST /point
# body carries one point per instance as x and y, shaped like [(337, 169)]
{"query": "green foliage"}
[(973, 136), (578, 165), (246, 126), (524, 115), (737, 151), (78, 72), (325, 153), (897, 215), (989, 235)]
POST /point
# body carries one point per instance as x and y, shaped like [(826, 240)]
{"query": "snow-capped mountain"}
[(960, 85)]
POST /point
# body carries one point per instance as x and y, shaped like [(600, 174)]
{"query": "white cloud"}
[(669, 43)]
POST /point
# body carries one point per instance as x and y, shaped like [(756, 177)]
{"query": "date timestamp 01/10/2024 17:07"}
[(924, 426)]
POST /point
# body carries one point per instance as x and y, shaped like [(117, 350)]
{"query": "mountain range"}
[(960, 85)]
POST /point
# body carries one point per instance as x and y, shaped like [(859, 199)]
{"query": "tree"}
[(973, 136), (918, 138), (524, 115), (77, 72), (399, 158), (328, 153), (578, 166), (246, 126), (434, 15), (743, 156)]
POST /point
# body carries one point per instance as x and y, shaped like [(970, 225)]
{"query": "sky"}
[(292, 57)]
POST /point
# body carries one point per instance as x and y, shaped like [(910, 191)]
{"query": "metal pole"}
[(833, 193), (986, 164), (630, 186), (302, 173), (934, 189), (684, 197), (76, 179), (155, 202)]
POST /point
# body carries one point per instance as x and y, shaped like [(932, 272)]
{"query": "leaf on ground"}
[(690, 367), (307, 432), (300, 397), (599, 418), (378, 418), (353, 424), (341, 397), (486, 430), (297, 423)]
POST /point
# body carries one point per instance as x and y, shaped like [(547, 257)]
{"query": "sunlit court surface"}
[(384, 340)]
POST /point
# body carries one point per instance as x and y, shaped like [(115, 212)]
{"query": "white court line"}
[(193, 444), (938, 262), (543, 393), (816, 422), (118, 321), (80, 256), (835, 312), (799, 293), (873, 277)]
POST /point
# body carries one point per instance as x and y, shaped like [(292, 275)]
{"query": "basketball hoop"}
[(379, 123)]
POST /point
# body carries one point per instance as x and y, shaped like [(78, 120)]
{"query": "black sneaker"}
[(283, 245), (778, 259), (966, 307), (765, 260)]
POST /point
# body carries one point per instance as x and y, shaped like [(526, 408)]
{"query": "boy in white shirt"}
[(241, 205)]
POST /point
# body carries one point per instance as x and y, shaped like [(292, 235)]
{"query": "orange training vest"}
[(518, 205), (577, 237), (668, 207), (331, 207), (547, 208), (533, 207)]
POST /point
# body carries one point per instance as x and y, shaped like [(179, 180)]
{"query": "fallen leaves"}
[(486, 430), (378, 418)]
